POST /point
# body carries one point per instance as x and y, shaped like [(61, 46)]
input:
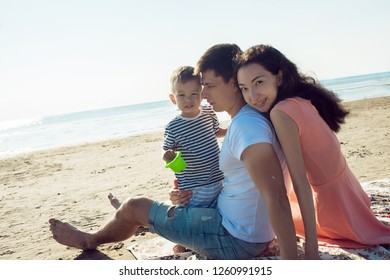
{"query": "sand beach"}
[(72, 183)]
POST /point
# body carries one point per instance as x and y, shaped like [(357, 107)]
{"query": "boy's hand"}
[(169, 155)]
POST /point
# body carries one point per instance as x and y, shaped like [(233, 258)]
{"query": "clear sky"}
[(61, 56)]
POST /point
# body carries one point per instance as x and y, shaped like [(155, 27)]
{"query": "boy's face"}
[(187, 98)]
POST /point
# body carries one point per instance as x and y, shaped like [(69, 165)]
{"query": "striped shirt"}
[(195, 139)]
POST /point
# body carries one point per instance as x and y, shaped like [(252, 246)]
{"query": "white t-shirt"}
[(242, 207)]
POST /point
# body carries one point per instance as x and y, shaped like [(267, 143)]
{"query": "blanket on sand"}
[(158, 248)]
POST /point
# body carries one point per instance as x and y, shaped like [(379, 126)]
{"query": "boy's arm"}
[(221, 132), (168, 152)]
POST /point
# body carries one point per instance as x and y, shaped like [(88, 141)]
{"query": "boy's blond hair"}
[(182, 75)]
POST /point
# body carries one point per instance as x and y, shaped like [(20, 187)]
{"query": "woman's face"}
[(259, 87)]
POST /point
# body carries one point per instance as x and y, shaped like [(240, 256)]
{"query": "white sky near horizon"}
[(75, 55)]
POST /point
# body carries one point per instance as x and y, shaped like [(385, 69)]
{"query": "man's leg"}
[(131, 214)]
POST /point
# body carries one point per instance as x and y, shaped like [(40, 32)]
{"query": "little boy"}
[(194, 133)]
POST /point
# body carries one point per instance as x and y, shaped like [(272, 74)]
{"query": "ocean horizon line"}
[(326, 82), (58, 130), (356, 76), (26, 151)]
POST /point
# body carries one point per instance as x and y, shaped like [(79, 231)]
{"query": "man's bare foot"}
[(114, 201), (177, 249), (68, 235)]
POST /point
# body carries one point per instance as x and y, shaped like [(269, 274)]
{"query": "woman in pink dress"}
[(327, 201)]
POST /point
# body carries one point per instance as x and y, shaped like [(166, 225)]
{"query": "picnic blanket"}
[(158, 248)]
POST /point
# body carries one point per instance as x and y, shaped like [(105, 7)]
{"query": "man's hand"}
[(179, 197)]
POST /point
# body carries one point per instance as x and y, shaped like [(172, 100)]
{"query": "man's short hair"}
[(221, 58)]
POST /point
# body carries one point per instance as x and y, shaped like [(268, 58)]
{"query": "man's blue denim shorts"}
[(201, 230)]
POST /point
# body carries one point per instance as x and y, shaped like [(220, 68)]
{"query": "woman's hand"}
[(311, 252), (179, 197)]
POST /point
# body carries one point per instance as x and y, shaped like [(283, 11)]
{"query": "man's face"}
[(219, 95)]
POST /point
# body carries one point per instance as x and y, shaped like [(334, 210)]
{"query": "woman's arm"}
[(264, 168), (288, 135)]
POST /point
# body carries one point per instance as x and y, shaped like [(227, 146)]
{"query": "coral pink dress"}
[(344, 216)]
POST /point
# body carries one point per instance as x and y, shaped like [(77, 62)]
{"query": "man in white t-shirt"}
[(243, 208), (253, 206)]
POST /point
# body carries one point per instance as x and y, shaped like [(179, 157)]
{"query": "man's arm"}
[(264, 168)]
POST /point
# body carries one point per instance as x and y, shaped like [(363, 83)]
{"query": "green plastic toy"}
[(178, 164)]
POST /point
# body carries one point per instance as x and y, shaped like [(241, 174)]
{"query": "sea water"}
[(67, 129)]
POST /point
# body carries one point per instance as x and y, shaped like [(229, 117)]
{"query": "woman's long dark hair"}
[(295, 84)]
